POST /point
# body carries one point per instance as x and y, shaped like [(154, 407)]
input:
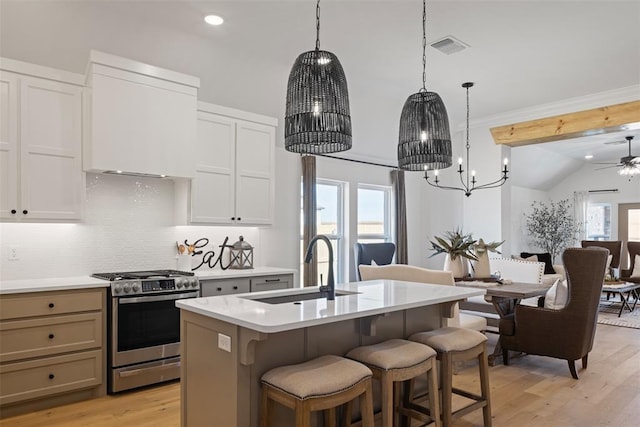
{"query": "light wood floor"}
[(532, 391)]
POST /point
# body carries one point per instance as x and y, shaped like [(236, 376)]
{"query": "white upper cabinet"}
[(40, 144), (141, 119), (234, 181)]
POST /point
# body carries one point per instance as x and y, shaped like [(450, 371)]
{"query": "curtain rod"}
[(364, 162), (613, 190)]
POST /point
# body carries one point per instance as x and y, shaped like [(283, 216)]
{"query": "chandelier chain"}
[(424, 45), (318, 25)]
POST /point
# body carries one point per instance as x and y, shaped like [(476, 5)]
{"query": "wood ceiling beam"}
[(612, 118)]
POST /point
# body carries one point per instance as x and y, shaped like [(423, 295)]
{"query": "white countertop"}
[(86, 282), (51, 284), (231, 274), (374, 297)]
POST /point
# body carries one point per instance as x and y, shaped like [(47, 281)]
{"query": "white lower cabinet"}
[(41, 174), (234, 181)]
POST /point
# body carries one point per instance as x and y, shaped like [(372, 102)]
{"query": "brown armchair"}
[(634, 249), (566, 333), (614, 247)]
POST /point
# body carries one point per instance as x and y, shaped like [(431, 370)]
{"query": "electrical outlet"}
[(224, 342), (13, 253)]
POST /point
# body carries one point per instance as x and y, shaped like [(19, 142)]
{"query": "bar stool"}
[(320, 384), (454, 345), (394, 361)]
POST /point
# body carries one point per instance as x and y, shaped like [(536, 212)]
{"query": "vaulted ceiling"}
[(521, 54)]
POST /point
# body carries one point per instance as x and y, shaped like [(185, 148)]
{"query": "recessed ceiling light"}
[(213, 20), (589, 156)]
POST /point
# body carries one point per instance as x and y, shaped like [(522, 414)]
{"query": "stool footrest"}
[(467, 394)]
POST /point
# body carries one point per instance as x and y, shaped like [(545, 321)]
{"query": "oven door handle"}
[(134, 300)]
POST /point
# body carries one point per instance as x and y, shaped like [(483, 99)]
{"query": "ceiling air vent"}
[(449, 45)]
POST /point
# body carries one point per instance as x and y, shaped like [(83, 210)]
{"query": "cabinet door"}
[(254, 173), (8, 145), (51, 178), (212, 191)]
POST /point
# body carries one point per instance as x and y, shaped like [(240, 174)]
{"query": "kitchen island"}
[(228, 342)]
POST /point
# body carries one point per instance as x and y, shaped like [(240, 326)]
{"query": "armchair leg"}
[(572, 368), (505, 356), (584, 361)]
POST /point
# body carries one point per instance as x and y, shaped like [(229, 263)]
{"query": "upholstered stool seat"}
[(456, 345), (394, 361), (320, 384)]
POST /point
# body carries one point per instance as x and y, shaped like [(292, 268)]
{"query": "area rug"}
[(608, 315)]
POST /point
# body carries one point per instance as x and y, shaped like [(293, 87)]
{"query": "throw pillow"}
[(543, 257), (557, 295), (373, 262), (606, 268), (635, 274)]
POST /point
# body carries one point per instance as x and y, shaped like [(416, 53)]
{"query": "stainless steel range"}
[(144, 326)]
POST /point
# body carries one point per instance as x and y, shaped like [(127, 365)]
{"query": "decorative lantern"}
[(241, 255)]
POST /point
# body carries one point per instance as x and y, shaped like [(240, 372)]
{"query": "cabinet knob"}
[(51, 376), (13, 211), (233, 218), (235, 288), (50, 336), (25, 211), (219, 289), (239, 219), (51, 305)]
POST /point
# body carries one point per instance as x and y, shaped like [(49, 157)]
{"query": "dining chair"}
[(566, 333), (379, 253)]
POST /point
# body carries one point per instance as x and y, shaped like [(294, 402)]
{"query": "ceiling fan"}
[(629, 165)]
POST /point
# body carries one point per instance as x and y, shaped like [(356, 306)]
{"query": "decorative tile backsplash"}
[(128, 225)]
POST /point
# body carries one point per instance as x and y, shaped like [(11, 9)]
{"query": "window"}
[(374, 214), (330, 222), (599, 221)]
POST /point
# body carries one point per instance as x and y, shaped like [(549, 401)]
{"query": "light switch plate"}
[(224, 342)]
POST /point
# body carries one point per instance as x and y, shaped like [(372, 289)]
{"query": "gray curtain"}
[(400, 206), (309, 210)]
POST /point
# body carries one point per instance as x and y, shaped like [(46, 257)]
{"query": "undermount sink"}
[(296, 298)]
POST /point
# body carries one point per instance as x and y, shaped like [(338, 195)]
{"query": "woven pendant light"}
[(317, 119), (425, 140)]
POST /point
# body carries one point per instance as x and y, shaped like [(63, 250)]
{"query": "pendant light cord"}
[(424, 46), (468, 146), (318, 25)]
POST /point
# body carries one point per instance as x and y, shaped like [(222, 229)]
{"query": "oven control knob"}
[(117, 289), (179, 283), (136, 287), (126, 288)]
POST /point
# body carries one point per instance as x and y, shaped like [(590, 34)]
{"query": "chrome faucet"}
[(330, 289)]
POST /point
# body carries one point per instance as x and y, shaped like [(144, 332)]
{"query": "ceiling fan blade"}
[(607, 167), (600, 163), (615, 142)]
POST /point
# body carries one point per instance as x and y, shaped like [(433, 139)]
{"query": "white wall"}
[(128, 225), (588, 178), (521, 200)]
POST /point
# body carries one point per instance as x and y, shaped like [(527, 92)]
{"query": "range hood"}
[(139, 119)]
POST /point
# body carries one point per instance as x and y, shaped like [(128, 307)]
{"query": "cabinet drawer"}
[(23, 339), (211, 288), (269, 283), (45, 303), (51, 375)]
